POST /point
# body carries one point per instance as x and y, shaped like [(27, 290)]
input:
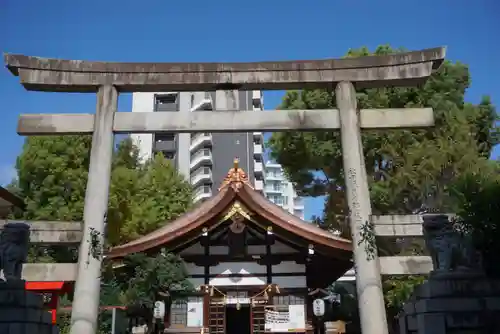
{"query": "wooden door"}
[(258, 319), (217, 317)]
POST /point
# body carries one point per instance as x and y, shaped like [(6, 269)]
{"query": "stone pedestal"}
[(454, 304), (21, 311)]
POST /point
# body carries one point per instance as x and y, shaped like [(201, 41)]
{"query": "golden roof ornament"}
[(236, 177)]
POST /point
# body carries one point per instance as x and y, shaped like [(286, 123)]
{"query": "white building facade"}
[(280, 191), (203, 158)]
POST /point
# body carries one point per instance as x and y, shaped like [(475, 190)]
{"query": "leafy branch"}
[(367, 237), (96, 248)]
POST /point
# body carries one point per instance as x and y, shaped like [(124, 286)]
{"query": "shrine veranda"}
[(342, 75)]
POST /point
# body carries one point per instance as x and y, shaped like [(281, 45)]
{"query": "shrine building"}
[(252, 263)]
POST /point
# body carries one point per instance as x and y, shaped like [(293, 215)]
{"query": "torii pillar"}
[(42, 74)]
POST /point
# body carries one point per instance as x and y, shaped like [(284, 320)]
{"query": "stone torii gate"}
[(108, 79)]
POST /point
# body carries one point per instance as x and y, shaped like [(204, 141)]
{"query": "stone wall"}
[(21, 311), (453, 305)]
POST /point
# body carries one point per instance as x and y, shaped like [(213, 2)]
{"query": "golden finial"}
[(235, 177)]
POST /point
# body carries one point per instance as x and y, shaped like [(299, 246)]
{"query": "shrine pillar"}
[(368, 282), (87, 288)]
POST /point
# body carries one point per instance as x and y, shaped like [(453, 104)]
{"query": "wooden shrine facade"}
[(249, 259)]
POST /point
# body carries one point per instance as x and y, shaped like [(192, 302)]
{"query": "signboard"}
[(276, 321), (297, 318), (319, 307), (293, 320), (159, 310), (194, 313)]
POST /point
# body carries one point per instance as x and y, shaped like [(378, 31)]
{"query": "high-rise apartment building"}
[(203, 158), (280, 191)]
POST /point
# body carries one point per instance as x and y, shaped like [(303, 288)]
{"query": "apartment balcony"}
[(298, 204), (203, 156), (258, 137), (258, 168), (257, 99), (202, 193), (257, 150), (259, 185), (274, 176), (201, 175), (273, 190), (299, 213), (200, 139)]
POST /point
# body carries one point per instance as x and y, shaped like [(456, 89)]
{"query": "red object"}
[(55, 289)]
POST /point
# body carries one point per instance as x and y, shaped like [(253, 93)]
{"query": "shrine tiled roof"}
[(235, 187)]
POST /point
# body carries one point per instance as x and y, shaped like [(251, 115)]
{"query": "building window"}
[(165, 98), (179, 310), (164, 136), (281, 302), (169, 155), (178, 313), (276, 199)]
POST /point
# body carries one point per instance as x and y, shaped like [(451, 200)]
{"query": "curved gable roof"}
[(235, 187)]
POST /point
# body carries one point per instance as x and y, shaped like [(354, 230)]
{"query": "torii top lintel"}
[(235, 188), (46, 74)]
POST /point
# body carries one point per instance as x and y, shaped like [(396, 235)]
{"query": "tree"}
[(140, 282), (162, 195), (52, 176), (477, 210), (406, 168)]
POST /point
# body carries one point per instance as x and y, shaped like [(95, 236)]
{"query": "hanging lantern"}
[(238, 305)]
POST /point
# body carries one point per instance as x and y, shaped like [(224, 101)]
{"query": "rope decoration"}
[(210, 289)]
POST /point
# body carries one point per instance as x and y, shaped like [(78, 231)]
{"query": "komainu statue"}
[(450, 250), (14, 243)]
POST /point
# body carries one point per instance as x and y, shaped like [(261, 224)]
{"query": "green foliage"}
[(478, 209), (141, 281), (52, 176), (406, 168), (398, 290), (162, 195), (153, 276)]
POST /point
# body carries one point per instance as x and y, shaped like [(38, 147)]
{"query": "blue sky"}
[(222, 30)]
